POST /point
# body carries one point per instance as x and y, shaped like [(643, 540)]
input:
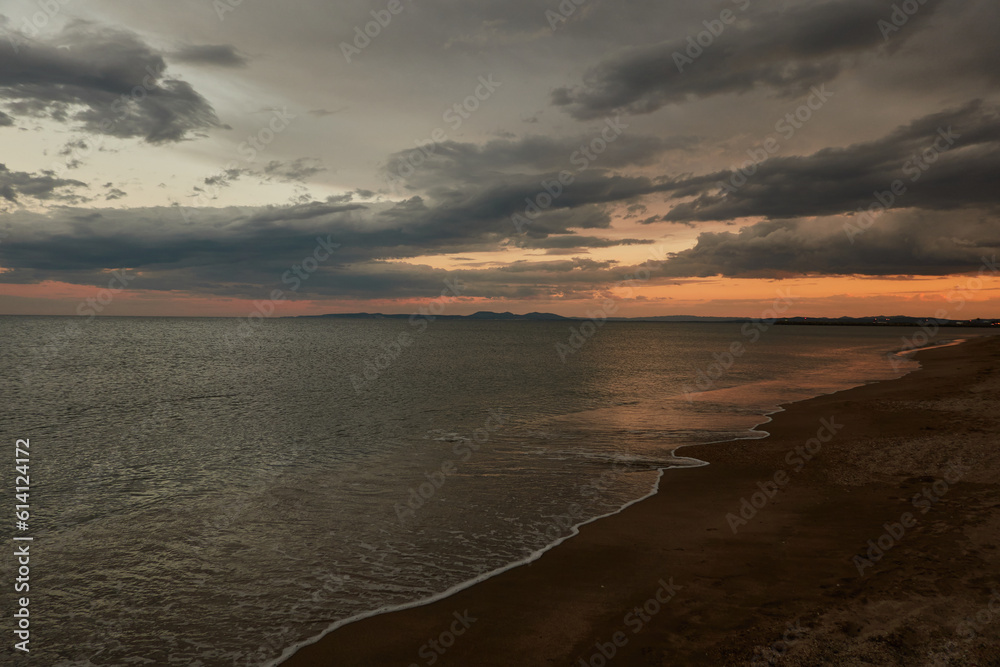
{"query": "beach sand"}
[(785, 588)]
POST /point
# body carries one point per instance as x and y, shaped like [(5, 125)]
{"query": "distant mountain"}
[(481, 315), (490, 315)]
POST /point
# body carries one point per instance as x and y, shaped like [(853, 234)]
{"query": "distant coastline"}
[(878, 320)]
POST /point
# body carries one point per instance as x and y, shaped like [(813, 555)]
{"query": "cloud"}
[(665, 218), (635, 211), (575, 242), (105, 81), (959, 50), (73, 146), (240, 249), (480, 188), (786, 52), (246, 251), (948, 160), (323, 113), (220, 55), (448, 161), (898, 243), (300, 169), (223, 178), (15, 184)]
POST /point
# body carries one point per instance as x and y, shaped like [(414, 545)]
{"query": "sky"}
[(231, 157)]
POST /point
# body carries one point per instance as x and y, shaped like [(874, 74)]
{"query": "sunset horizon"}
[(213, 175), (500, 333)]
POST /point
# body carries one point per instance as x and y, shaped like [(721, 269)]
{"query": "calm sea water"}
[(197, 501)]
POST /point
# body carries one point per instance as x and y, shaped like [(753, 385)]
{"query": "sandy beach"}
[(863, 531)]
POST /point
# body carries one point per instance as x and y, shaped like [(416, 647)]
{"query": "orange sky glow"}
[(951, 297)]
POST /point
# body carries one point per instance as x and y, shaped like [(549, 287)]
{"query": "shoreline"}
[(574, 530), (284, 659), (574, 611)]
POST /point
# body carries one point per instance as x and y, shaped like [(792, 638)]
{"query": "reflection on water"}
[(203, 504)]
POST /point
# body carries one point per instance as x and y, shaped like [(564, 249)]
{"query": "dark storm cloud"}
[(245, 252), (239, 250), (89, 239), (266, 237), (104, 80), (960, 47), (452, 216), (314, 211), (948, 160), (556, 183), (953, 154), (5, 120), (15, 184), (786, 51), (221, 55), (452, 160), (898, 243), (489, 208), (460, 198)]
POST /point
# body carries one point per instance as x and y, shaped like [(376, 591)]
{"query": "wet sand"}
[(911, 464)]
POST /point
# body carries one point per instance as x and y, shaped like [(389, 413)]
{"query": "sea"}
[(208, 493)]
